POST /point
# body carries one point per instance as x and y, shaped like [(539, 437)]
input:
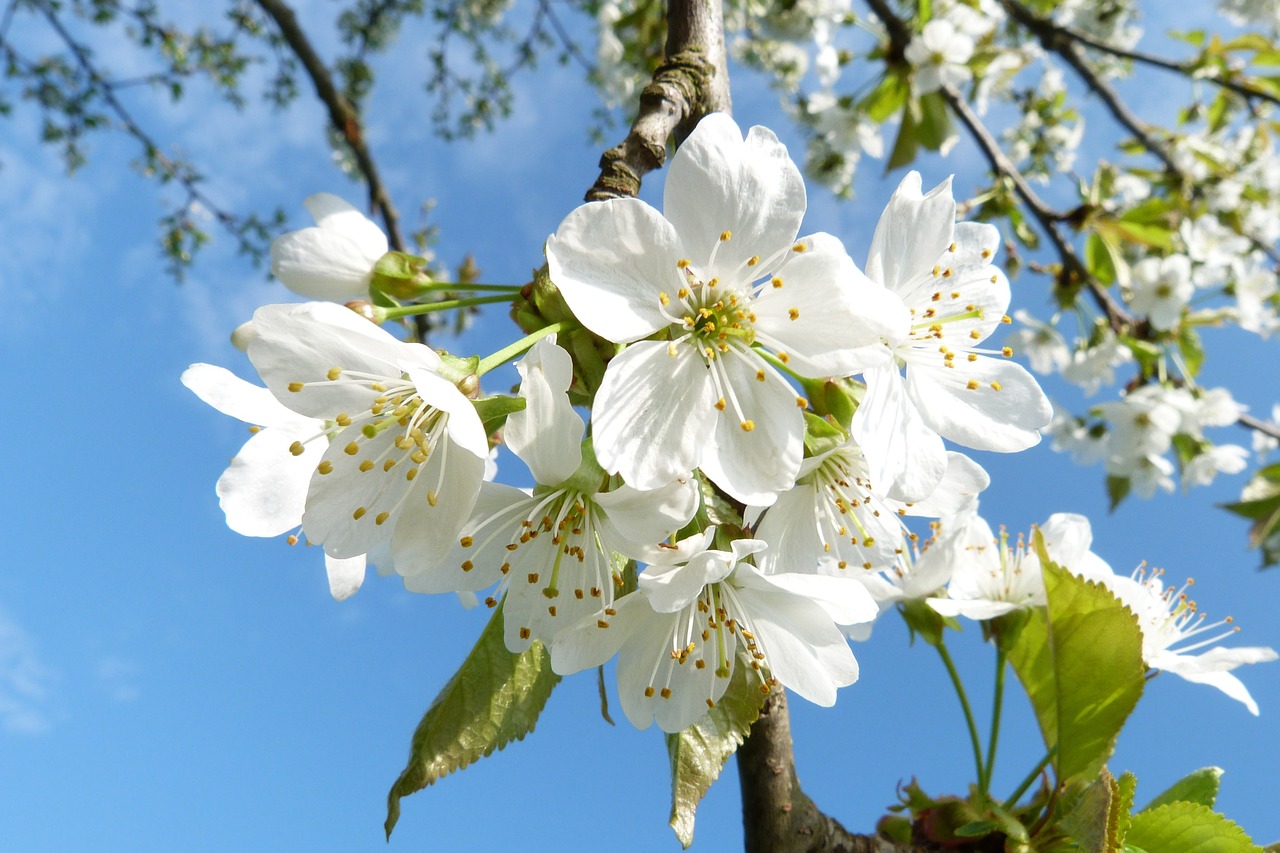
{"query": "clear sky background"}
[(168, 685)]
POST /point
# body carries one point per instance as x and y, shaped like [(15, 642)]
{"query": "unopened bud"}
[(366, 309), (243, 335)]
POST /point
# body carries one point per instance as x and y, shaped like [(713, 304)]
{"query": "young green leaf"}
[(495, 697), (1199, 786), (1188, 826)]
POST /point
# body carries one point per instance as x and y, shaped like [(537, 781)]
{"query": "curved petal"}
[(233, 396), (845, 600), (464, 426), (547, 433), (672, 588), (754, 464), (822, 312), (1003, 410), (321, 264), (345, 575), (912, 233), (650, 516), (652, 413), (494, 524), (263, 491), (959, 488), (335, 214), (790, 527), (965, 272), (718, 182), (978, 610), (610, 260), (587, 644), (427, 529), (1227, 683), (906, 457)]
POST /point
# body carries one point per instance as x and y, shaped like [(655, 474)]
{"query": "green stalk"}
[(428, 307), (964, 704), (462, 288), (507, 353), (984, 784), (1029, 781)]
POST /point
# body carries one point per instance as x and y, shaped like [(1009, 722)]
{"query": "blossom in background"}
[(942, 273), (1093, 366), (1161, 288), (263, 491), (722, 278), (333, 260), (989, 578), (678, 636), (939, 54), (1041, 343), (1168, 618), (406, 450), (552, 551)]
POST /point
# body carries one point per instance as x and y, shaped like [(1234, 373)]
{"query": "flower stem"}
[(384, 314), (463, 288), (509, 352), (964, 704), (984, 784), (1030, 780)]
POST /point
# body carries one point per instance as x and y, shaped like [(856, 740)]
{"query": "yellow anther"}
[(753, 260), (720, 404), (936, 296), (359, 513), (683, 263), (334, 373), (662, 297), (802, 402), (760, 375), (291, 539), (711, 703), (254, 430), (1007, 352), (381, 517), (467, 565), (946, 273), (748, 426), (972, 357), (665, 693), (683, 293), (975, 334), (418, 456), (951, 248), (986, 253), (776, 281), (936, 269), (725, 236), (793, 313), (524, 633), (343, 420), (431, 497), (410, 474), (351, 449), (799, 247), (366, 465), (1006, 319), (784, 358), (297, 449), (379, 387), (295, 387), (325, 467), (388, 465), (671, 349), (995, 386), (466, 541), (972, 385)]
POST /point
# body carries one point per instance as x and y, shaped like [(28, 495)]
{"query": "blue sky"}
[(166, 684)]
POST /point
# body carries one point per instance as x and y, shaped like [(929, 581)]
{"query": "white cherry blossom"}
[(1168, 618), (1161, 288), (679, 635), (953, 389), (939, 54), (333, 260), (723, 282), (552, 552), (406, 451), (263, 491)]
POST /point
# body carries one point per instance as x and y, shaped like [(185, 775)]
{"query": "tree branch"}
[(777, 816), (342, 115), (692, 82)]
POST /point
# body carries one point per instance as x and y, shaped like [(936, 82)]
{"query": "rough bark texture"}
[(691, 82), (777, 816)]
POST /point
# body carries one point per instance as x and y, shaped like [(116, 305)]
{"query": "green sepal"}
[(1198, 786), (820, 435), (457, 369), (400, 274), (1080, 661), (1117, 490), (1188, 826), (493, 411), (699, 753), (923, 620), (495, 697)]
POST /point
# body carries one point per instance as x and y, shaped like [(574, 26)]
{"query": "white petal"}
[(906, 457), (501, 509), (652, 413), (960, 486), (233, 396), (585, 644), (844, 600), (755, 465), (264, 489), (790, 527), (547, 433), (672, 588), (335, 214), (648, 517), (979, 610), (718, 182), (320, 264), (913, 231), (610, 260), (464, 426), (345, 575), (332, 499), (826, 311), (1227, 683), (1004, 420), (424, 534)]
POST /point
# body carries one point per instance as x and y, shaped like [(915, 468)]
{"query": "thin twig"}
[(344, 117), (1259, 426)]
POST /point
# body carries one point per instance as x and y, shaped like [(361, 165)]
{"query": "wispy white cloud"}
[(26, 684)]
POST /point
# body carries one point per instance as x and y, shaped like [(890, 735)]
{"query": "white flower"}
[(1092, 367), (1161, 288), (990, 579), (1221, 458), (406, 451), (1042, 344), (939, 55), (552, 551), (1264, 443), (263, 491), (679, 634), (943, 274), (333, 261), (1167, 618), (719, 277)]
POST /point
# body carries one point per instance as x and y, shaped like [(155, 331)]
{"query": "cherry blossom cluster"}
[(707, 515)]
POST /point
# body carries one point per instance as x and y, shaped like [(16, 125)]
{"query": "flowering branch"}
[(342, 115), (691, 82)]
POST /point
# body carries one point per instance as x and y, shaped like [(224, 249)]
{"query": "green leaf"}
[(1189, 827), (1080, 661), (908, 140), (699, 752), (886, 99), (1098, 259), (1088, 814), (1192, 349), (493, 411), (1117, 490), (494, 698), (1260, 503), (934, 127), (1199, 786)]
